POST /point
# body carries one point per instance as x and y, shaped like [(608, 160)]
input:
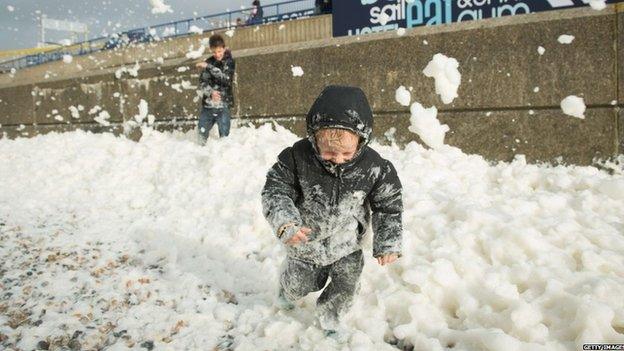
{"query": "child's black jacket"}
[(336, 201), (218, 76)]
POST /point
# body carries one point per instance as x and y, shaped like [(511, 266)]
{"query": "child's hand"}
[(387, 259), (201, 65), (300, 237), (216, 96)]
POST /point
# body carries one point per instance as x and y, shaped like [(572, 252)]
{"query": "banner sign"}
[(356, 17)]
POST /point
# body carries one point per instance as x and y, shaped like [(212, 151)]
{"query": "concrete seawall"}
[(498, 114)]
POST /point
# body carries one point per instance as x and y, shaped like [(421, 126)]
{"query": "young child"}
[(320, 198)]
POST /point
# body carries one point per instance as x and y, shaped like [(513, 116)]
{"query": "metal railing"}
[(283, 11)]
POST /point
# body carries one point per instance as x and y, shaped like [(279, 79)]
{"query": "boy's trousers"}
[(208, 117), (301, 278)]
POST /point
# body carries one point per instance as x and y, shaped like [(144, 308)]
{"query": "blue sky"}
[(19, 28)]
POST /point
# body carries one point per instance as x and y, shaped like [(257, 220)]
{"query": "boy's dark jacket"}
[(218, 76), (336, 201)]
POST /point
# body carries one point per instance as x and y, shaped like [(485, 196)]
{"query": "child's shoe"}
[(283, 303)]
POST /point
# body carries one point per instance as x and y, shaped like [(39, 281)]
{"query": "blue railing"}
[(282, 11)]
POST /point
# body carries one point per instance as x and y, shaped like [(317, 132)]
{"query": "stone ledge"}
[(545, 136)]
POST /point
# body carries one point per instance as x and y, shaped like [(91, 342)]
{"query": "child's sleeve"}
[(387, 212), (280, 193)]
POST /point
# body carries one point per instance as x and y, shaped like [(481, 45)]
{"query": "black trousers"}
[(301, 278)]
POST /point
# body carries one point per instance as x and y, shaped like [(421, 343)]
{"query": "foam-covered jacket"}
[(218, 76), (338, 202)]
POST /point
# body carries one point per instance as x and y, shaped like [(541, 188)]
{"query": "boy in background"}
[(215, 82)]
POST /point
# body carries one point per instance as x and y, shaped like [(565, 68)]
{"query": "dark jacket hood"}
[(341, 107)]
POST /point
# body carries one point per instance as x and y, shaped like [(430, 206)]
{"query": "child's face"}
[(218, 52), (337, 147)]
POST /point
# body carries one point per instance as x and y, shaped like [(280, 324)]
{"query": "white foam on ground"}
[(598, 5), (195, 54), (195, 29), (297, 71), (75, 111), (446, 74), (565, 39), (164, 241), (143, 111), (403, 96), (574, 106), (103, 118), (159, 6), (425, 123), (168, 31)]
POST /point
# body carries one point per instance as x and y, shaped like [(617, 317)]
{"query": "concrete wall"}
[(496, 115), (34, 109), (619, 47)]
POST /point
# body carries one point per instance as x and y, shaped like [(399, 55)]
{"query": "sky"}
[(19, 19)]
